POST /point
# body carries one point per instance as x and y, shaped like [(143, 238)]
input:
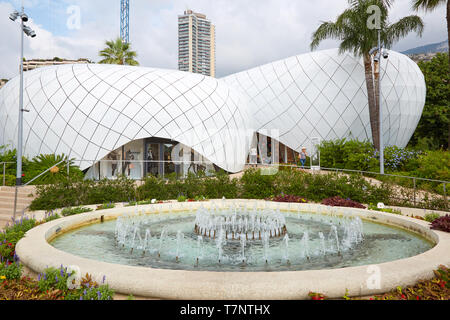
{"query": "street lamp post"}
[(377, 58), (29, 32)]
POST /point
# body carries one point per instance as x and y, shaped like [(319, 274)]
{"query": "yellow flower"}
[(2, 278)]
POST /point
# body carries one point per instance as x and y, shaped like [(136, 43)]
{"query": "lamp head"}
[(13, 16), (373, 50), (24, 17), (29, 32)]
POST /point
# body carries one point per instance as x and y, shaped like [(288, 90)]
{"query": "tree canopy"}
[(118, 52), (433, 130)]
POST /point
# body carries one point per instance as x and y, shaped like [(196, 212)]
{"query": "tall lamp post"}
[(29, 32), (380, 52)]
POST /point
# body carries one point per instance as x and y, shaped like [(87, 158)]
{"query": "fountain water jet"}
[(180, 237)]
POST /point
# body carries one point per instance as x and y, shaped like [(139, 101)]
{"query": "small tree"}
[(118, 52), (351, 28), (430, 5), (433, 131)]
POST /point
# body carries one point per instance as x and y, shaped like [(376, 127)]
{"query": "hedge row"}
[(253, 185)]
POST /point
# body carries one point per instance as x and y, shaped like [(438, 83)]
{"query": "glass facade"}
[(154, 156)]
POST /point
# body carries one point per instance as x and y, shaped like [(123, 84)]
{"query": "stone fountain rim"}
[(36, 254)]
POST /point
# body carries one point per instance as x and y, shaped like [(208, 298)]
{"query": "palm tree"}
[(430, 5), (351, 28), (118, 52)]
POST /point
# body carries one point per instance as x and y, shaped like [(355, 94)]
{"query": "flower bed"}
[(442, 224), (340, 202), (437, 288), (288, 198), (52, 285)]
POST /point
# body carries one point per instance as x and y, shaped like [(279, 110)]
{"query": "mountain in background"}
[(431, 48)]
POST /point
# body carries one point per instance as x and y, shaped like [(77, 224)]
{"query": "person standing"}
[(112, 157), (254, 157), (302, 156)]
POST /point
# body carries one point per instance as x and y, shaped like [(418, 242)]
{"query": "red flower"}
[(418, 298), (403, 297)]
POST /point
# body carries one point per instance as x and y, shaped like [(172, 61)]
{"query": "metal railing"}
[(32, 180), (414, 179), (44, 172), (415, 188), (410, 192), (3, 164)]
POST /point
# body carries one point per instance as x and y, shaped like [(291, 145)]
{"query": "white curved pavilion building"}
[(128, 114)]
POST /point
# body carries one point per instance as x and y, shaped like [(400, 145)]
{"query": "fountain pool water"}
[(236, 239)]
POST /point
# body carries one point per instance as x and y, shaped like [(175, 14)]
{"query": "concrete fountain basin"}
[(36, 254)]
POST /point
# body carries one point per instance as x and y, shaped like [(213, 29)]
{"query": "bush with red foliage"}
[(288, 198), (340, 202), (442, 224)]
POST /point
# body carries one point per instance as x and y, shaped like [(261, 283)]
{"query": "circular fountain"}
[(233, 238), (239, 249)]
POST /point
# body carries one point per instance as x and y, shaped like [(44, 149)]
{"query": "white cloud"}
[(249, 33)]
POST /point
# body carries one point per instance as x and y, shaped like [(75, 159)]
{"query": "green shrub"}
[(430, 217), (74, 211), (50, 216), (254, 185), (356, 155), (139, 203), (153, 188), (182, 199), (44, 162), (106, 206), (434, 165), (11, 271), (218, 187), (387, 210), (13, 234), (10, 180), (348, 154), (87, 192), (99, 293), (53, 279)]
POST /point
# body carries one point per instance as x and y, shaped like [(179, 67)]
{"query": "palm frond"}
[(384, 3), (118, 52), (427, 5), (402, 28), (325, 31)]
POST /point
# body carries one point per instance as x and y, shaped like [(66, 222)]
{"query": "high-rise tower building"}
[(196, 44)]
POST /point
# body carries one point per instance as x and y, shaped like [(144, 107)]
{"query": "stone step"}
[(7, 217), (2, 225), (20, 197), (9, 211), (21, 193), (10, 205), (7, 198), (27, 188), (20, 190)]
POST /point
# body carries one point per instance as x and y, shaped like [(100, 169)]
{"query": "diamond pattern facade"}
[(87, 111), (323, 94)]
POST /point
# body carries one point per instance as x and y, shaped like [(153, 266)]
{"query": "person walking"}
[(302, 156)]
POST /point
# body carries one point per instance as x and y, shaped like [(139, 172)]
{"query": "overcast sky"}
[(249, 32)]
